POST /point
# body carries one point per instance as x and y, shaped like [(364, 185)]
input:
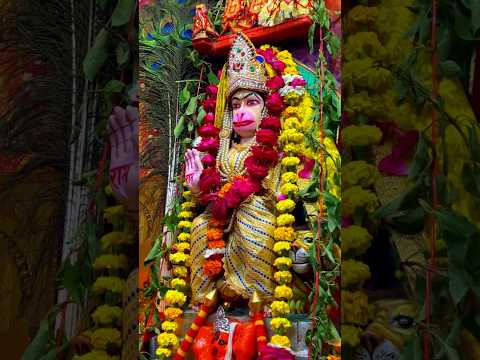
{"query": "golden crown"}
[(246, 69)]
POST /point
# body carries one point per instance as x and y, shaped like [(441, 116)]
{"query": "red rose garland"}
[(263, 156)]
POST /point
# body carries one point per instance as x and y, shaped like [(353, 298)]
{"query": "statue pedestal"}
[(294, 29), (300, 326)]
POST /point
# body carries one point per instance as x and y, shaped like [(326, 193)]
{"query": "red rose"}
[(275, 83), (209, 105), (275, 103), (211, 90), (208, 160), (209, 180), (233, 198), (208, 145), (298, 82), (272, 123), (264, 155), (267, 137), (246, 186), (256, 170), (220, 209), (209, 118), (208, 130), (278, 66)]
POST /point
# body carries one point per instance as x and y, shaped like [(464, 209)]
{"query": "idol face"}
[(247, 108)]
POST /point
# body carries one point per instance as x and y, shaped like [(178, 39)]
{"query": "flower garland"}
[(176, 296)]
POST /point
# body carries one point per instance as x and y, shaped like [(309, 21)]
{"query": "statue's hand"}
[(123, 133), (193, 169)]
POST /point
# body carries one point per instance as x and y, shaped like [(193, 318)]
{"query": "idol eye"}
[(236, 105), (403, 321), (253, 102)]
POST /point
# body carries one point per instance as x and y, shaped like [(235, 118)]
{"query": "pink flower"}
[(208, 145), (208, 160), (211, 90), (268, 352), (209, 180), (233, 198), (209, 118), (346, 222), (246, 186), (272, 123), (256, 170), (209, 105), (220, 209), (281, 197), (298, 82), (267, 54), (208, 130), (219, 73), (275, 103), (143, 3), (308, 165), (267, 137), (278, 66), (275, 83)]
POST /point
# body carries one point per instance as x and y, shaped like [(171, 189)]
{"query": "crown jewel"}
[(246, 69)]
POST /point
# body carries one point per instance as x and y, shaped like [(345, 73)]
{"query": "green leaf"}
[(72, 281), (450, 68), (201, 115), (122, 53), (192, 106), (123, 12), (412, 350), (471, 180), (96, 56), (179, 128), (421, 160), (190, 126), (184, 95), (155, 252), (114, 86), (475, 16), (212, 78)]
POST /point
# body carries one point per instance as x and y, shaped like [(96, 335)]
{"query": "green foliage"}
[(123, 12)]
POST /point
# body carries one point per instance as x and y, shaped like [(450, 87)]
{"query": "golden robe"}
[(249, 255)]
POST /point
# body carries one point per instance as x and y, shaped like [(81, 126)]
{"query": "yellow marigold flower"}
[(356, 197), (290, 70), (187, 194), (178, 283), (178, 258), (355, 239), (113, 213), (280, 308), (281, 247), (291, 122), (183, 236), (108, 190), (363, 44), (106, 314), (354, 307), (282, 263), (285, 205), (167, 339), (180, 271), (354, 273), (293, 148), (283, 292), (96, 355), (283, 277), (284, 233), (188, 205), (115, 238), (360, 16), (289, 177), (184, 246), (108, 261), (163, 353), (291, 135), (175, 297), (271, 73), (290, 161), (361, 135), (172, 313), (169, 326), (288, 188), (108, 283), (185, 214), (280, 323), (285, 219), (292, 98), (351, 335), (280, 340), (102, 337), (358, 173), (185, 224)]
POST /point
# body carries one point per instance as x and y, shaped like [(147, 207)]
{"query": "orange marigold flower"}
[(214, 234), (212, 268), (216, 223), (225, 188), (216, 244)]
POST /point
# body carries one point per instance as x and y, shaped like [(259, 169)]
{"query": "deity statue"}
[(248, 255), (202, 26)]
